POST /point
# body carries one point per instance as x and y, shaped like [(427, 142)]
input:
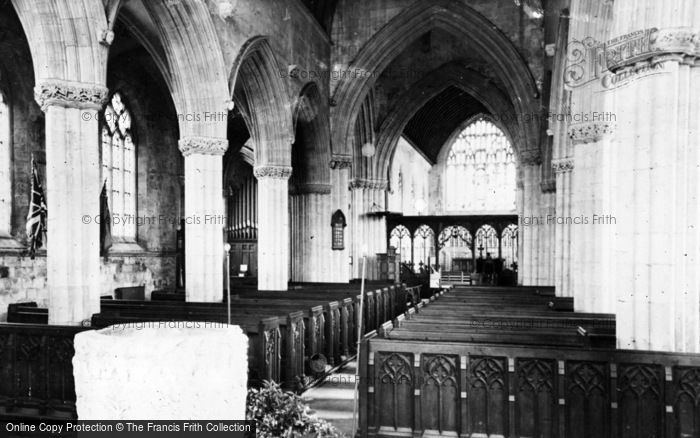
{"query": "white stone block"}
[(161, 371)]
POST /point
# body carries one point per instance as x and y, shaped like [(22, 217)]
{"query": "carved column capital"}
[(70, 95), (370, 184), (563, 165), (590, 132), (272, 172), (653, 45), (202, 146)]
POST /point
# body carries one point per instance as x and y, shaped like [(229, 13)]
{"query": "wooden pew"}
[(130, 293), (276, 345), (27, 313)]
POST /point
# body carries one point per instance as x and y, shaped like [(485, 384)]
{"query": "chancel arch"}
[(459, 20), (448, 80)]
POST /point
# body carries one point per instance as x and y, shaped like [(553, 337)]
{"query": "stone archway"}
[(262, 98), (457, 19)]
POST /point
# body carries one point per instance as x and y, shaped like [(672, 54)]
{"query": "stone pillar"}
[(273, 227), (590, 206), (72, 193), (562, 246), (204, 218), (638, 162), (528, 263), (368, 198), (340, 200), (310, 218), (657, 248), (545, 239)]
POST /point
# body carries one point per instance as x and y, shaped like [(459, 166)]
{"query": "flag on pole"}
[(36, 216), (105, 222)]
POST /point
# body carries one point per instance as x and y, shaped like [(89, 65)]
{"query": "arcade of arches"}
[(309, 137)]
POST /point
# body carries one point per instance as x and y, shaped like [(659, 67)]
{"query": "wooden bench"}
[(27, 313), (417, 388), (130, 293), (277, 347)]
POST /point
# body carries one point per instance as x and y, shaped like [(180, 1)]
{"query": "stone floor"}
[(333, 399)]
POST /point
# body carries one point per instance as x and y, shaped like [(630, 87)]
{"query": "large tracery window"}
[(480, 170), (119, 168), (5, 169)]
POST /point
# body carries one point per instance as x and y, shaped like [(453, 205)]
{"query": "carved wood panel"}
[(440, 408), (640, 401), (588, 400), (686, 401), (536, 398), (395, 383), (488, 395)]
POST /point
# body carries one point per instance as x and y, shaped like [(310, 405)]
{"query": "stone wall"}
[(26, 278)]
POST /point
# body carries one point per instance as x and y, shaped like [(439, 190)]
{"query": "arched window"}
[(401, 240), (338, 224), (487, 241), (480, 170), (509, 245), (424, 247), (5, 169), (119, 168)]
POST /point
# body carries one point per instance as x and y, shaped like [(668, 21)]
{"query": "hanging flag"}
[(105, 222), (36, 216)]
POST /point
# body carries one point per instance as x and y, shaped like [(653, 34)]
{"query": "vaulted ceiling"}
[(437, 120), (323, 10)]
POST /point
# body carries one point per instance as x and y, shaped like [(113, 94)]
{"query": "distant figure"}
[(488, 268)]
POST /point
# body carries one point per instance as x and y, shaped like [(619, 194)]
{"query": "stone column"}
[(273, 227), (590, 207), (310, 217), (368, 197), (72, 194), (204, 218), (562, 246), (340, 200), (528, 263), (657, 168), (545, 240)]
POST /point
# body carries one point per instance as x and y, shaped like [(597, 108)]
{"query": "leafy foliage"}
[(282, 414)]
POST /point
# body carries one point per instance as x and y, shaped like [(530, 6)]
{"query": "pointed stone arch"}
[(312, 130), (64, 39), (434, 83), (196, 63), (258, 90), (420, 17)]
